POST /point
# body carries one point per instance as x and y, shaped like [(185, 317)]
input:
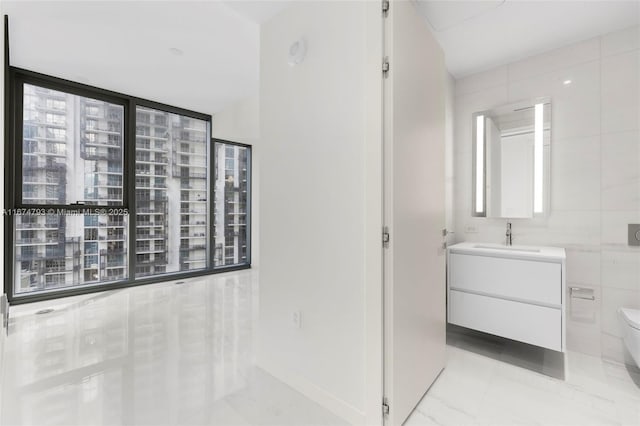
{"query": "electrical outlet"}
[(296, 318), (634, 234)]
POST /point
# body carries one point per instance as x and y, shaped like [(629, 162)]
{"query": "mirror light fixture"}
[(538, 166), (479, 166)]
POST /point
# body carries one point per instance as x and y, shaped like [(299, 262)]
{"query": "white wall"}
[(595, 171), (239, 122), (319, 197)]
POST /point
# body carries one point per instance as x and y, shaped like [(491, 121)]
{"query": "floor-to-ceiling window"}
[(111, 190), (172, 214), (232, 204), (72, 156)]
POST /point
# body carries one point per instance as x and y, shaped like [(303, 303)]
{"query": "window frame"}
[(209, 267), (249, 221), (15, 78), (21, 77)]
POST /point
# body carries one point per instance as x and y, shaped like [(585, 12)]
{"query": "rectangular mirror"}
[(511, 160)]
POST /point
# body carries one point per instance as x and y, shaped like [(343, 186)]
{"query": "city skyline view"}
[(73, 150)]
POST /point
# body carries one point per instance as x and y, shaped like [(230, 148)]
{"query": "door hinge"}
[(385, 7), (446, 232), (385, 67), (385, 407), (385, 237)]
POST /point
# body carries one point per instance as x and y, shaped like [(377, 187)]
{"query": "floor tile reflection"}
[(168, 354), (162, 354), (494, 381)]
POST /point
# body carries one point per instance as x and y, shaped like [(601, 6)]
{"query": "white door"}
[(414, 204)]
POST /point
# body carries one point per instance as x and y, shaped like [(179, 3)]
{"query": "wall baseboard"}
[(301, 384)]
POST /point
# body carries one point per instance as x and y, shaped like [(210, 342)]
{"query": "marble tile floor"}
[(168, 354), (494, 381), (161, 354)]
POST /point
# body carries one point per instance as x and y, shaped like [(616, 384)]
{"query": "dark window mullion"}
[(143, 103), (17, 145), (212, 203), (129, 180), (90, 208), (249, 203), (10, 173)]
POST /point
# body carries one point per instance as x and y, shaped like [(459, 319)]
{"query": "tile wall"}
[(595, 173)]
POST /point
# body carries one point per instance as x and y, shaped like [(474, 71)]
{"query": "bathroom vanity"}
[(517, 292)]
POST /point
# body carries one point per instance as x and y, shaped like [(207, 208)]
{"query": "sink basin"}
[(496, 247), (501, 250)]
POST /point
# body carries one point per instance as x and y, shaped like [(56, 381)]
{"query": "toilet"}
[(630, 322)]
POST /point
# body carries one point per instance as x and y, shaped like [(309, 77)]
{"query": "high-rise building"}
[(72, 153), (190, 166), (104, 243), (232, 177), (171, 192), (152, 162)]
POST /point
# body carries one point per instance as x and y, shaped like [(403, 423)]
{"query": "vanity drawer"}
[(536, 325), (523, 280)]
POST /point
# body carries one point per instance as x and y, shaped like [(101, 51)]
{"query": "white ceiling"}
[(481, 34), (204, 55), (196, 55), (258, 10)]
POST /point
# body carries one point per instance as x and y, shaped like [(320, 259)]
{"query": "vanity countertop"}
[(516, 251)]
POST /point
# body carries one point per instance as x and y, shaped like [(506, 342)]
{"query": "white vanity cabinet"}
[(515, 292)]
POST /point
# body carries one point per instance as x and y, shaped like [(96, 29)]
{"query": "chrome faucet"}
[(509, 240)]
